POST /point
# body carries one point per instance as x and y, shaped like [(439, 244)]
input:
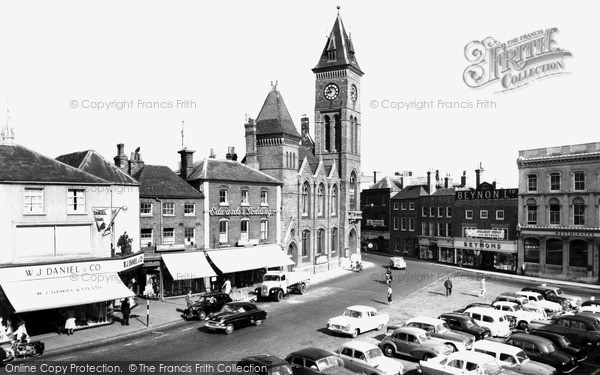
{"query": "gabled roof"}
[(313, 162), (412, 191), (340, 45), (161, 182), (20, 164), (93, 163), (274, 118), (387, 183), (228, 170)]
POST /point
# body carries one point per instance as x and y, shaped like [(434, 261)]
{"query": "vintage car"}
[(397, 262), (265, 365), (313, 361), (440, 329), (543, 350), (356, 320), (462, 363), (475, 304), (498, 323), (579, 351), (463, 323), (589, 309), (512, 297), (366, 358), (516, 311), (591, 302), (207, 304), (554, 294), (512, 358), (235, 315), (578, 328), (413, 342), (536, 299)]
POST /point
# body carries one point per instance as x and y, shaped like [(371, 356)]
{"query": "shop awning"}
[(52, 293), (249, 258), (191, 265)]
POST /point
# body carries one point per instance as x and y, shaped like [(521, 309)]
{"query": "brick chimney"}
[(446, 181), (121, 160), (463, 179), (212, 154), (231, 155), (304, 126), (251, 148), (437, 175), (477, 178), (186, 162), (135, 162)]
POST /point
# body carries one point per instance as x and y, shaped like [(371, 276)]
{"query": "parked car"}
[(413, 342), (512, 297), (366, 358), (554, 294), (579, 351), (312, 361), (235, 315), (578, 328), (536, 299), (464, 323), (537, 310), (495, 320), (265, 365), (591, 302), (462, 363), (543, 350), (207, 304), (573, 300), (476, 304), (514, 310), (440, 329), (398, 262), (589, 309), (356, 320), (512, 358)]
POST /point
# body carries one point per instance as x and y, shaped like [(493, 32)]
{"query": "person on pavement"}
[(389, 294), (482, 292), (125, 310), (448, 286)]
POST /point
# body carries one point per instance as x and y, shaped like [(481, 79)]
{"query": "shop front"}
[(499, 255), (183, 272), (447, 253)]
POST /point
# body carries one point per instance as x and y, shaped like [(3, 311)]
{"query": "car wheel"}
[(523, 325), (379, 327), (355, 333), (201, 315), (279, 296), (229, 328), (452, 346), (35, 352), (257, 322), (426, 357), (302, 288), (389, 350)]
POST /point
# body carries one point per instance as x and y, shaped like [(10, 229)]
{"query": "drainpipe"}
[(160, 275)]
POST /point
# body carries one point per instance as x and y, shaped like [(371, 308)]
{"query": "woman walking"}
[(389, 292), (482, 292)]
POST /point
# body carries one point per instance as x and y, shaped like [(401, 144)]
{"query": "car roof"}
[(583, 317), (545, 333), (265, 360), (485, 310), (358, 345), (455, 316), (530, 338), (311, 353), (399, 258), (240, 304), (494, 345), (471, 356), (426, 320), (411, 330), (505, 303), (360, 308), (528, 293)]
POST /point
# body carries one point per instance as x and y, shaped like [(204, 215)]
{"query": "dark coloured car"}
[(591, 302), (582, 329), (548, 294), (264, 365), (543, 350), (235, 315), (579, 351), (207, 304), (464, 323), (312, 361)]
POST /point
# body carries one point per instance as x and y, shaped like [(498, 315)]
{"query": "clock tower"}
[(338, 124)]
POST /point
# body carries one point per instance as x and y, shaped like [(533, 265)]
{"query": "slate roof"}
[(412, 191), (387, 183), (161, 182), (313, 162), (91, 162), (444, 191), (274, 118), (339, 42), (228, 170), (20, 164)]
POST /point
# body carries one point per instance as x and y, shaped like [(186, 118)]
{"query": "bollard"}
[(147, 312)]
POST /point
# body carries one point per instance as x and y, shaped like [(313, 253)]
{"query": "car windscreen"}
[(558, 291), (281, 370), (327, 362), (470, 323), (271, 277), (521, 356), (491, 367), (374, 353)]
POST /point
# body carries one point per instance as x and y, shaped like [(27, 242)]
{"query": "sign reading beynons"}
[(514, 63)]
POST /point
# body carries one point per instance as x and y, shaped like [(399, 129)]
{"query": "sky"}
[(211, 64)]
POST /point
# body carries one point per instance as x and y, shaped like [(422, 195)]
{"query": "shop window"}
[(499, 214), (168, 236), (334, 200), (190, 236), (146, 237), (189, 209), (469, 214), (532, 250), (579, 181), (578, 253), (554, 212), (554, 252), (223, 231), (578, 212), (411, 206), (411, 224), (168, 209), (264, 229), (264, 198), (532, 182), (483, 214), (33, 201), (531, 212), (244, 228), (76, 201), (334, 240), (146, 209), (554, 181), (305, 243), (245, 197)]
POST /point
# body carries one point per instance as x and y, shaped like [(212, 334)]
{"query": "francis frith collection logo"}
[(514, 63)]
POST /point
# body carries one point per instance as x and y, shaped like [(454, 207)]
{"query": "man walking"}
[(482, 292), (125, 310), (389, 292), (523, 266), (448, 286)]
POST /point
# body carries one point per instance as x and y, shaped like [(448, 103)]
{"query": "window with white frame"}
[(168, 236), (264, 229), (554, 205), (334, 240), (396, 206), (320, 200), (223, 231), (579, 181), (334, 200), (245, 197), (189, 236), (411, 224), (33, 201), (532, 182), (499, 214), (264, 198), (146, 209), (244, 228), (469, 214), (449, 211), (305, 199), (403, 206), (449, 229), (483, 214), (423, 228), (403, 223), (531, 211), (305, 243), (554, 181), (423, 211), (578, 211), (411, 206), (441, 229), (504, 232), (146, 237), (189, 209), (395, 223), (440, 211), (168, 209), (320, 241), (223, 197), (76, 201), (467, 230), (431, 211)]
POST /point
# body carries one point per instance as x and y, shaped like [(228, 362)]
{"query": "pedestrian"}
[(21, 332), (523, 266), (125, 310), (389, 292), (226, 288), (3, 331), (188, 299), (70, 321), (448, 286), (482, 293)]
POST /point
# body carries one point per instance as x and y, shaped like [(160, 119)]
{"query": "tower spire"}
[(7, 136)]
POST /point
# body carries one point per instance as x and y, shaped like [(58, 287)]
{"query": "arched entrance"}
[(353, 242), (292, 252)]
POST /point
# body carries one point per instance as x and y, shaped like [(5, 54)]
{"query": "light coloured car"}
[(536, 299), (462, 363), (512, 358), (536, 309), (523, 317), (398, 262), (358, 319), (366, 358), (440, 329), (589, 309), (495, 320)]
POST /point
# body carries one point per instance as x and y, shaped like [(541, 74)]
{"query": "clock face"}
[(331, 91), (353, 93)]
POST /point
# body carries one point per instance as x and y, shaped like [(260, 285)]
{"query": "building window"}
[(305, 243), (396, 206), (483, 214), (440, 211), (264, 198), (320, 241), (244, 226), (431, 227), (352, 195), (334, 200), (441, 229), (554, 218), (554, 252), (33, 201), (578, 253), (189, 209), (469, 214), (554, 181), (76, 201), (403, 206), (431, 211), (189, 235), (223, 231), (411, 224), (403, 224), (532, 182), (532, 250), (579, 181), (423, 228), (305, 199), (383, 201), (578, 211), (264, 230), (223, 199), (531, 212), (411, 206), (449, 229), (168, 236), (245, 198), (168, 209), (146, 237), (396, 223), (334, 240), (146, 209), (449, 211), (424, 211), (320, 200)]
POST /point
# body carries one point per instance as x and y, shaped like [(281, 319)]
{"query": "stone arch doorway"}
[(353, 242), (292, 252)]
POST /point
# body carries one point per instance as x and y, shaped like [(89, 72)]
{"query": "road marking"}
[(63, 358), (156, 332), (101, 350), (187, 329), (128, 344), (166, 334)]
